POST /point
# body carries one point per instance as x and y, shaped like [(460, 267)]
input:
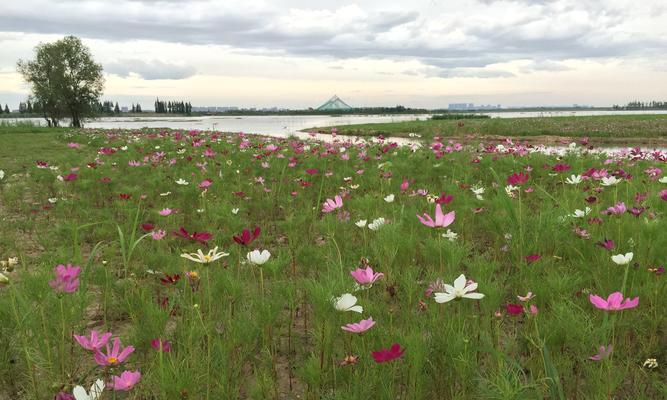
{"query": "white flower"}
[(377, 224), (200, 210), (347, 302), (2, 174), (610, 180), (509, 189), (258, 258), (182, 181), (235, 211), (3, 278), (459, 290), (449, 235), (202, 258), (621, 259), (53, 200), (580, 214), (165, 194), (574, 179), (361, 223), (663, 179), (389, 198), (95, 391), (478, 192), (650, 363), (180, 151), (124, 148)]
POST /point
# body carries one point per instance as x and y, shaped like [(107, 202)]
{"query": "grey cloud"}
[(151, 70)]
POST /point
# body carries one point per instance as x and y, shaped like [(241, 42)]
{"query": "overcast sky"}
[(298, 53)]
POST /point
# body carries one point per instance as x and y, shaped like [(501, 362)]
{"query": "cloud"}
[(151, 70)]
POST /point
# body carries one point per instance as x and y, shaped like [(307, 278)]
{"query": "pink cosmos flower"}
[(405, 185), (359, 327), (114, 355), (603, 353), (517, 179), (366, 276), (617, 209), (67, 280), (73, 145), (514, 309), (384, 355), (527, 297), (205, 184), (70, 177), (166, 211), (95, 342), (158, 235), (331, 205), (441, 220), (532, 258), (663, 194), (533, 309), (614, 302), (161, 345), (125, 381)]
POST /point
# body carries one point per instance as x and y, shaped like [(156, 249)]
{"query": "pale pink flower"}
[(614, 302), (331, 205), (366, 276), (125, 381), (441, 220), (166, 211), (95, 342), (158, 235), (359, 327)]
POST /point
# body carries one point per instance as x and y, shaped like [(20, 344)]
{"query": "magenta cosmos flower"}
[(392, 353), (441, 220), (517, 179), (114, 355), (67, 278), (161, 345), (359, 327), (331, 205), (125, 381), (95, 342), (614, 302), (366, 276)]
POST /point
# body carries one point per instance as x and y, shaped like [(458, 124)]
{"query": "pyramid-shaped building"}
[(334, 104)]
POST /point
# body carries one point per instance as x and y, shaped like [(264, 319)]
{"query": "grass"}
[(239, 330), (622, 127)]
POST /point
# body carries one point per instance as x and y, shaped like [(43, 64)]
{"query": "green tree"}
[(116, 109), (65, 80), (6, 109)]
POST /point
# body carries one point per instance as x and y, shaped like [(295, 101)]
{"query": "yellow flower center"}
[(112, 360), (207, 258)]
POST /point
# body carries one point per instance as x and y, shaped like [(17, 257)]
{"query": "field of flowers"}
[(198, 265)]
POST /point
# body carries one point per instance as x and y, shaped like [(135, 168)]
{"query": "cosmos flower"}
[(258, 258), (95, 342), (614, 302), (200, 257), (332, 204), (610, 180), (245, 238), (392, 353), (441, 220), (461, 289), (114, 356), (377, 224), (361, 223), (347, 302), (574, 179), (603, 352), (359, 327), (622, 259), (126, 381), (366, 277), (66, 280), (95, 392)]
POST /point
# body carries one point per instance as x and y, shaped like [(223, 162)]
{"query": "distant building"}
[(334, 103), (124, 109), (472, 107)]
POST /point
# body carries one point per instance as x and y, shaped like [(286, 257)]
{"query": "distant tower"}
[(334, 103)]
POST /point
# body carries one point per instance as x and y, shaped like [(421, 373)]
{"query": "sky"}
[(298, 53)]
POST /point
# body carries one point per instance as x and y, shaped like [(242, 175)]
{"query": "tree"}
[(116, 109), (65, 80), (6, 109)]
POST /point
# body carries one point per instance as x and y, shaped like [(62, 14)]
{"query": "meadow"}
[(638, 129), (172, 264)]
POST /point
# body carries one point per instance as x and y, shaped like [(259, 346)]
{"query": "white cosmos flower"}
[(258, 258), (182, 181), (581, 213), (621, 259), (200, 257), (53, 200), (459, 290), (2, 174), (347, 302), (478, 192), (663, 179), (95, 391), (3, 278), (574, 179), (235, 211), (449, 235), (389, 198), (377, 224), (510, 188), (361, 223), (165, 194), (610, 180)]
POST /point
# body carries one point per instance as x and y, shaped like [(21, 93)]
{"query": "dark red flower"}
[(147, 227), (201, 237), (69, 177), (561, 167), (606, 244), (245, 238), (384, 355), (125, 196), (444, 199), (514, 309), (170, 279), (312, 171), (517, 179), (532, 258)]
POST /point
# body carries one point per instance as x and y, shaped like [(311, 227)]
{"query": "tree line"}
[(172, 107), (641, 105)]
